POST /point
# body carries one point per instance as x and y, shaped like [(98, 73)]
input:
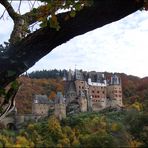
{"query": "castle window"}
[(82, 87), (98, 96), (98, 92), (103, 92), (92, 91), (79, 86), (116, 96)]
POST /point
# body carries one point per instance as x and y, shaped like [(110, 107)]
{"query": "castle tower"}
[(60, 106), (114, 92), (83, 102), (69, 75), (64, 76), (78, 75), (40, 105)]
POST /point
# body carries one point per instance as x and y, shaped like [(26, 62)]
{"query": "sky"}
[(121, 46)]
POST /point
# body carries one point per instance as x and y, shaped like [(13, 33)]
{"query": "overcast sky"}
[(121, 46)]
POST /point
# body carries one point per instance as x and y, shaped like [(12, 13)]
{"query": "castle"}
[(88, 91), (83, 92)]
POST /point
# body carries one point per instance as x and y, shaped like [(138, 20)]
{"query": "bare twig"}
[(19, 6), (3, 14), (32, 4), (9, 9)]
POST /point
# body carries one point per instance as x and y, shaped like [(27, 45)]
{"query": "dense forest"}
[(126, 128), (48, 74)]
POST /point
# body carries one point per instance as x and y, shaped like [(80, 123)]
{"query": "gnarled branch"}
[(17, 59)]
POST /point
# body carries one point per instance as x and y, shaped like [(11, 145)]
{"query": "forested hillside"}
[(50, 82), (108, 128), (127, 128), (133, 86), (30, 87)]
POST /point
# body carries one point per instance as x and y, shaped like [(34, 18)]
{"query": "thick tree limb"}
[(22, 56)]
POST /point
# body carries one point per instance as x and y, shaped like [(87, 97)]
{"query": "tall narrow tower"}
[(115, 91), (83, 102), (60, 106)]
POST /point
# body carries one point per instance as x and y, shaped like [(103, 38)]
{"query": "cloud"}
[(118, 47)]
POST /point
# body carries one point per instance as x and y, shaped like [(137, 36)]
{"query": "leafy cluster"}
[(126, 128), (53, 7)]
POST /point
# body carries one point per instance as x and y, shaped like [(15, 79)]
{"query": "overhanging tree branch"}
[(17, 59)]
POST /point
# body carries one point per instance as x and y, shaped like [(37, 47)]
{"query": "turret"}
[(114, 90), (60, 106), (115, 80), (83, 102)]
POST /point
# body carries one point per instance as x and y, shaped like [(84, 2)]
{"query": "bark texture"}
[(23, 55)]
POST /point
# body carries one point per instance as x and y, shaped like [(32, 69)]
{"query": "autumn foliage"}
[(30, 87)]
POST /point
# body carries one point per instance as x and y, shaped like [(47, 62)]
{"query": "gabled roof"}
[(69, 86), (42, 99)]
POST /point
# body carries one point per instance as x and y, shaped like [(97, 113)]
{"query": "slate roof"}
[(42, 99), (59, 98)]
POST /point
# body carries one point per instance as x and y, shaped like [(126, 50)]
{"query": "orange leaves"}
[(54, 22), (52, 95)]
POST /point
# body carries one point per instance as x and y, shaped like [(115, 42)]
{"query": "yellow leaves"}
[(54, 126), (75, 143), (48, 16), (54, 22), (115, 127), (65, 142), (21, 140), (138, 106), (5, 141), (30, 127), (135, 143), (18, 145)]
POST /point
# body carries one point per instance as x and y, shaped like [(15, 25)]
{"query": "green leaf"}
[(72, 13), (78, 6), (15, 85)]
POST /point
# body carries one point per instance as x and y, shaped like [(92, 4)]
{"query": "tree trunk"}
[(25, 54)]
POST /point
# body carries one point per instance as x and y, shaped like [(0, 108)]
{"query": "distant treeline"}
[(48, 74)]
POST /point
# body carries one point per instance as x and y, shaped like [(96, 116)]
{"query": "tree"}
[(25, 48), (24, 51)]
